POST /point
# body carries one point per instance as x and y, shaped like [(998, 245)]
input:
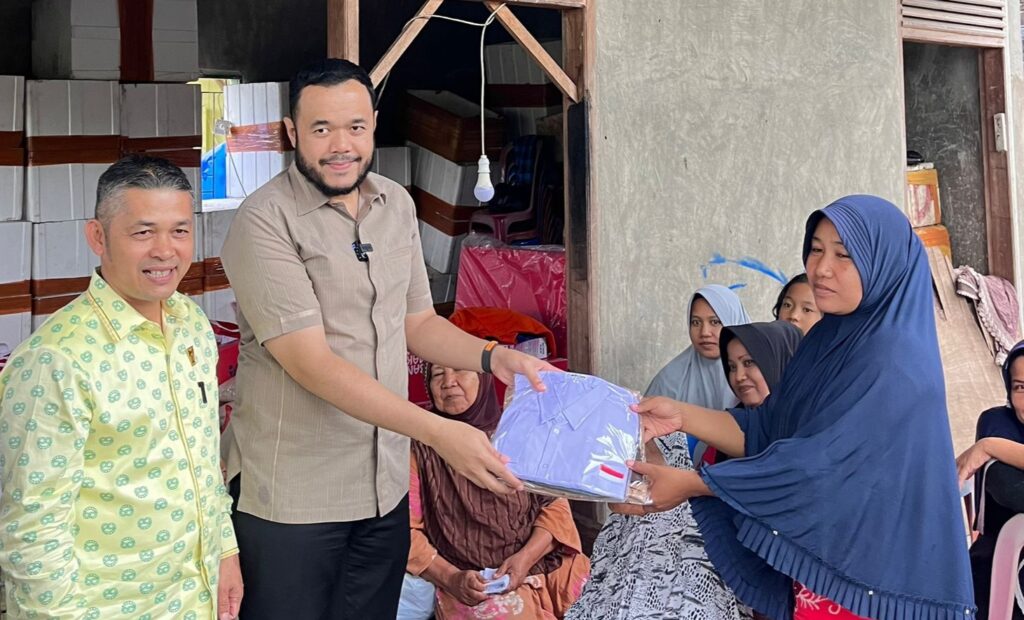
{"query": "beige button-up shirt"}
[(290, 260)]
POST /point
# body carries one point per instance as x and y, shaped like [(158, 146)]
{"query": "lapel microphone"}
[(362, 251)]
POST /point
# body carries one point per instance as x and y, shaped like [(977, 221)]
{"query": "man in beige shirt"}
[(327, 267)]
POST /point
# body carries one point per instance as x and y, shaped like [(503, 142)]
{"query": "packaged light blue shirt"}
[(572, 440)]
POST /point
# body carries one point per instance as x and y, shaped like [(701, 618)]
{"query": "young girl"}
[(654, 567), (848, 494), (796, 304)]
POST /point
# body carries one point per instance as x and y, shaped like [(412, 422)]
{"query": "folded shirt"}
[(572, 440)]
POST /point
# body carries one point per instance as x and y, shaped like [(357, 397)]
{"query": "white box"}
[(175, 40), (451, 182), (16, 243), (219, 305), (221, 204), (12, 103), (81, 39), (440, 251), (395, 163), (14, 329), (442, 286), (215, 230), (38, 320), (523, 121), (59, 250), (254, 104), (72, 108), (508, 63), (161, 110), (12, 192), (62, 192)]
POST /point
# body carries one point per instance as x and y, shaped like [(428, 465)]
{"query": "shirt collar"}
[(119, 317), (308, 198)]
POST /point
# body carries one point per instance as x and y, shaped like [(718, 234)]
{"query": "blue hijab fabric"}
[(850, 485)]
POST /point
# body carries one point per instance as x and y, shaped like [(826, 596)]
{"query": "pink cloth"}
[(995, 302)]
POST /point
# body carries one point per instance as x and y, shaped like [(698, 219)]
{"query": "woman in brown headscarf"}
[(459, 529)]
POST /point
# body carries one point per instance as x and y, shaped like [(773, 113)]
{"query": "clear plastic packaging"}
[(574, 439)]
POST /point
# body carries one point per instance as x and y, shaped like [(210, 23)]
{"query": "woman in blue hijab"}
[(846, 486)]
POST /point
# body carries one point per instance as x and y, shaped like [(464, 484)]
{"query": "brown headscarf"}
[(471, 527)]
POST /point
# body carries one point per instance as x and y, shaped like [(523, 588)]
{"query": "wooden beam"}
[(533, 47), (404, 40), (545, 4), (343, 29)]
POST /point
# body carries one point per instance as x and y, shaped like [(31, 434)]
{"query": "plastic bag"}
[(574, 439)]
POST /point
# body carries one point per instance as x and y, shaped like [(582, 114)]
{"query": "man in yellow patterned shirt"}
[(112, 501)]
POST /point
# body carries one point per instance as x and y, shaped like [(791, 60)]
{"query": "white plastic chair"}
[(1006, 571)]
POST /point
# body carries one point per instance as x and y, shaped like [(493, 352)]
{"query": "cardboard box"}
[(72, 108), (449, 219), (446, 180), (12, 188), (508, 63), (73, 135), (215, 230), (62, 262), (395, 163), (12, 105), (258, 148), (81, 39), (449, 125), (16, 266), (525, 121), (922, 200), (440, 251), (161, 111), (442, 286), (219, 304), (15, 327), (62, 192)]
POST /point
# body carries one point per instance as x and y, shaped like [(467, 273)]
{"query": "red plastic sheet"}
[(530, 280)]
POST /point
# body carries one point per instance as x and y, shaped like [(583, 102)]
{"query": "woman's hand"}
[(660, 416), (668, 487), (467, 586), (972, 459), (516, 566)]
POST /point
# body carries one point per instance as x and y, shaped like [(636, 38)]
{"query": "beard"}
[(311, 172)]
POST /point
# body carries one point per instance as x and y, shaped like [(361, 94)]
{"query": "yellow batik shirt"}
[(112, 502)]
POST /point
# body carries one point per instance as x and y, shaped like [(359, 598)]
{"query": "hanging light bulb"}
[(483, 191)]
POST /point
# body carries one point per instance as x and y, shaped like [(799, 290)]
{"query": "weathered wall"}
[(719, 128), (944, 125)]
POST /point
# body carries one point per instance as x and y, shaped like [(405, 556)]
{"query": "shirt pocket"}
[(392, 281)]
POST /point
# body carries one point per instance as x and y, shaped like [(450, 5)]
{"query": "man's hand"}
[(517, 567), (467, 586), (972, 459), (660, 416), (470, 454), (229, 588), (668, 487), (507, 363)]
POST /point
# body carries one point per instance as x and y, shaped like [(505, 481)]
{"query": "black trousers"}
[(322, 571), (1005, 487)]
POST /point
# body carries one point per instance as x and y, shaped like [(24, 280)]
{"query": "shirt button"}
[(775, 532), (871, 592), (555, 431)]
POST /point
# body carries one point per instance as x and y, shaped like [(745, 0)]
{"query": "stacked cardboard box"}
[(218, 298), (115, 40), (519, 89), (258, 148), (164, 120), (444, 139), (15, 289), (12, 143)]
